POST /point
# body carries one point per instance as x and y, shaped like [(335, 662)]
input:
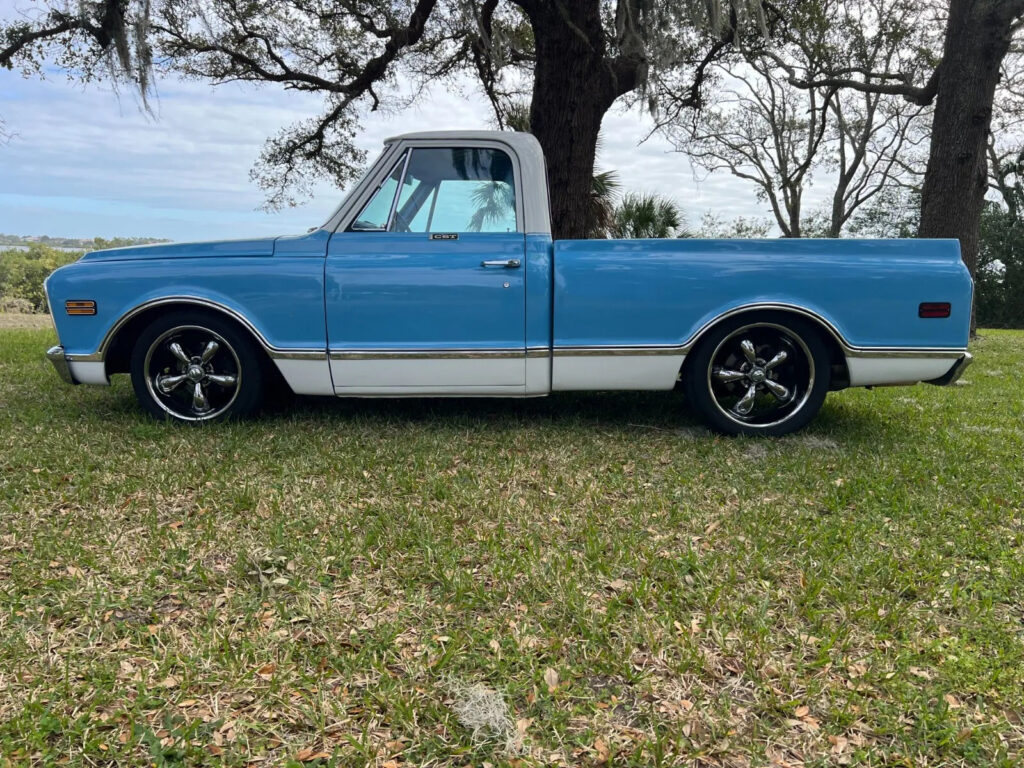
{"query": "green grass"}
[(334, 577)]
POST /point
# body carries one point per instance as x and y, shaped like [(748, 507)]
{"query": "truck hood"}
[(263, 246)]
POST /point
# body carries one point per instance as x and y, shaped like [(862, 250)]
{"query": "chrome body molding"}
[(60, 363), (427, 354), (954, 373), (277, 353), (937, 353), (619, 351), (577, 367), (281, 353), (849, 350)]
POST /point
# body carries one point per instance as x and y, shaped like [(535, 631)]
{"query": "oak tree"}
[(962, 87), (575, 59)]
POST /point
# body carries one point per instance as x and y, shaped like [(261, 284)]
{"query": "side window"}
[(468, 189), (374, 216)]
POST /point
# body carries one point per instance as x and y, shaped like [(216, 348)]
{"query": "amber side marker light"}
[(934, 309), (80, 307)]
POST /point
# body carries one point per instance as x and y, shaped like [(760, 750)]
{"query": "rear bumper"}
[(60, 363), (954, 373)]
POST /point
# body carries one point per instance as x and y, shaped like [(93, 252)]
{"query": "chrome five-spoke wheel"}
[(759, 376), (193, 373), (196, 368)]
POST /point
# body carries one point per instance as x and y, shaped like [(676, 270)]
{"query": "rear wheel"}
[(195, 367), (758, 376)]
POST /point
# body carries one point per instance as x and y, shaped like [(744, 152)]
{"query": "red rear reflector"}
[(934, 309), (80, 307)]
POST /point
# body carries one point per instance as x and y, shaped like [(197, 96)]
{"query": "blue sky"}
[(85, 162)]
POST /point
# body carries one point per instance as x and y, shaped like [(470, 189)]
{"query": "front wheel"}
[(196, 367), (758, 376)]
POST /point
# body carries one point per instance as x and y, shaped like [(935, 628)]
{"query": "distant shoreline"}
[(68, 248), (24, 242)]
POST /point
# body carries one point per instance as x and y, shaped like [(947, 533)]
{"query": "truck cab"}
[(428, 283)]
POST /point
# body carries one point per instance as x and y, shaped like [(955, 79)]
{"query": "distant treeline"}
[(80, 243), (24, 267)]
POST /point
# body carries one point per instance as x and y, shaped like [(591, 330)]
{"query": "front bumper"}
[(955, 372), (60, 362)]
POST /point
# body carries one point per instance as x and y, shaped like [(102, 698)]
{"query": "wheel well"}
[(840, 374), (119, 353)]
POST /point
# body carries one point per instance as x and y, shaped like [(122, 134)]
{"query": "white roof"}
[(457, 134)]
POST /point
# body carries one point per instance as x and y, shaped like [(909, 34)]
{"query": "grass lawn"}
[(579, 580)]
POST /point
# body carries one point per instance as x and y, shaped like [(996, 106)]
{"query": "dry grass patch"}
[(9, 321)]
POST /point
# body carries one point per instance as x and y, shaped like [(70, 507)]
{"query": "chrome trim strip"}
[(277, 353), (681, 349), (60, 363), (284, 353), (95, 357), (611, 350), (930, 353), (849, 349), (430, 354), (955, 372)]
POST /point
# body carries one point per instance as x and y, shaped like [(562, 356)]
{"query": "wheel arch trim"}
[(849, 350), (275, 353)]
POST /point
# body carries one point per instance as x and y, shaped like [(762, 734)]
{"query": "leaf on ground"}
[(839, 744), (551, 679), (309, 755)]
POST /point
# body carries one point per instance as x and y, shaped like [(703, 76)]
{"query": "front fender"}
[(279, 300)]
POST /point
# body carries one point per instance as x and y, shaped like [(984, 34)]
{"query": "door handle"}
[(506, 263)]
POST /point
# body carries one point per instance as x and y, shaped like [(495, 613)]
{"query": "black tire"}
[(738, 384), (196, 367)]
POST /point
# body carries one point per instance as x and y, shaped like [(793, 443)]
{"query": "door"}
[(425, 289)]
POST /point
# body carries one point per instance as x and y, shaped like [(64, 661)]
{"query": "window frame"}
[(403, 160), (386, 164)]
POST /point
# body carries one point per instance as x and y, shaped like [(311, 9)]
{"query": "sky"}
[(84, 161)]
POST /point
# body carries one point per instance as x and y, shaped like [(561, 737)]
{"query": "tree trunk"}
[(575, 84), (977, 38)]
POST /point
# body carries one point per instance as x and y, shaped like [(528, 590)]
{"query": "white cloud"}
[(85, 162)]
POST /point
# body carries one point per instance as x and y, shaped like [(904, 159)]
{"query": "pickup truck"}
[(438, 276)]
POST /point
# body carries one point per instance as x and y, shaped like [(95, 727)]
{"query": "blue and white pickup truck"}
[(438, 276)]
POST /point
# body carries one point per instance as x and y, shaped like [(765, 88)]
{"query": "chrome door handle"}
[(506, 263)]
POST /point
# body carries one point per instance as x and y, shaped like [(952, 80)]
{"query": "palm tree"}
[(647, 215), (604, 185), (604, 189), (492, 201)]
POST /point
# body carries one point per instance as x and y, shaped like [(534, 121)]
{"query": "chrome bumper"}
[(56, 356), (954, 373)]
